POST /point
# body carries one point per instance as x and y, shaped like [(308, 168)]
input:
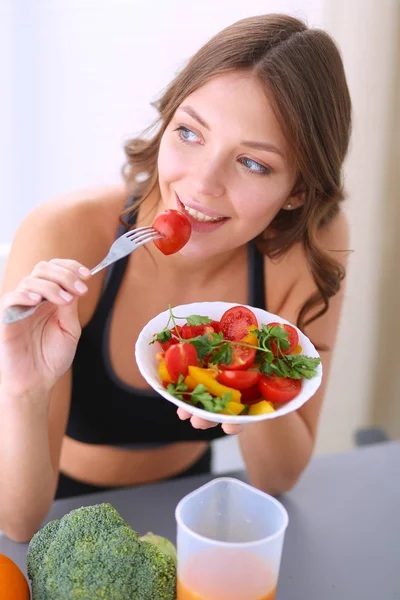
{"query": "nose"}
[(208, 178)]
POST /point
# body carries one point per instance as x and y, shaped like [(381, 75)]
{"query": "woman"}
[(250, 144)]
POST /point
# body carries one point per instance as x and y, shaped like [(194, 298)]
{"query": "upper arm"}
[(334, 238)]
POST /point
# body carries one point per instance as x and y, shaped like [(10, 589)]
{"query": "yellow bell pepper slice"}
[(298, 349), (190, 382), (216, 389), (163, 372), (233, 407), (261, 408), (250, 338)]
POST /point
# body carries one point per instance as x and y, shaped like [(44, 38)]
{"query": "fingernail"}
[(80, 286), (84, 271), (66, 295), (34, 296)]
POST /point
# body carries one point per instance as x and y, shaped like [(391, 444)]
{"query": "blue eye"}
[(254, 167), (186, 135)]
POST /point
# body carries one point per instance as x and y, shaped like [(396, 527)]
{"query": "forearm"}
[(276, 452), (27, 477)]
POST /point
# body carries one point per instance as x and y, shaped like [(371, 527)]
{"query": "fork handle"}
[(18, 312)]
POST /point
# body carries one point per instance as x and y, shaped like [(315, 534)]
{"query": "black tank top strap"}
[(114, 275), (256, 277)]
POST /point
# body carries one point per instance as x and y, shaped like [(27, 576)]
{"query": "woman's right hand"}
[(37, 351)]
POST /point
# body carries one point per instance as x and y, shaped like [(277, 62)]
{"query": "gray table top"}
[(343, 539)]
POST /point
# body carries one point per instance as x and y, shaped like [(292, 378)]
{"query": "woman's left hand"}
[(199, 423)]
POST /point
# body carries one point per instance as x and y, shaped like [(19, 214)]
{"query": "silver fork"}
[(124, 245)]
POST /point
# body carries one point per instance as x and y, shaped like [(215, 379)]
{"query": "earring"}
[(289, 205)]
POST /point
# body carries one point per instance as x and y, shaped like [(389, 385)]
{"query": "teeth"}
[(200, 216)]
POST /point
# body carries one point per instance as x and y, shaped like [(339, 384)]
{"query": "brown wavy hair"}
[(303, 74)]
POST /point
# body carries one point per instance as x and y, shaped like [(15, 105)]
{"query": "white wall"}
[(79, 78)]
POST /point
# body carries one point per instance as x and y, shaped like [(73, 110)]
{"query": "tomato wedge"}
[(279, 389), (235, 322), (190, 331), (171, 342), (251, 395), (176, 228), (293, 339), (178, 358), (240, 380), (242, 359)]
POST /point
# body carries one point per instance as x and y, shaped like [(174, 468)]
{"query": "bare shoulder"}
[(289, 279), (81, 226), (77, 225)]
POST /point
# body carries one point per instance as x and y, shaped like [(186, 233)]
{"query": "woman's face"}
[(223, 161)]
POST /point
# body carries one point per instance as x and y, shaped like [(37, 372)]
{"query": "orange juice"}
[(225, 574)]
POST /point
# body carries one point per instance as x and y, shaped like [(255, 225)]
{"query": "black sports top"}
[(104, 409)]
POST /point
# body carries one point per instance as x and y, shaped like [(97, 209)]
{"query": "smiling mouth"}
[(199, 216)]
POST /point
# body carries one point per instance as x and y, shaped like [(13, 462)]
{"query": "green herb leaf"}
[(163, 336), (293, 366), (209, 402), (198, 320)]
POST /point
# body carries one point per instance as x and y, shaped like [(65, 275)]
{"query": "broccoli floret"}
[(91, 553), (162, 543)]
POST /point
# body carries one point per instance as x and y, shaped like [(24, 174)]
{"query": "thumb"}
[(68, 319)]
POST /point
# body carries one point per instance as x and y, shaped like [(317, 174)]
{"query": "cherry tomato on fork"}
[(176, 228)]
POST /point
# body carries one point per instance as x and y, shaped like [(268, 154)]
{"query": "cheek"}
[(170, 164), (258, 204)]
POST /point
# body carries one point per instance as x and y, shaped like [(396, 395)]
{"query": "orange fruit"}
[(13, 585)]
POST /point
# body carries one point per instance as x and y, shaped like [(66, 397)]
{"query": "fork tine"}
[(147, 238), (139, 230), (145, 235)]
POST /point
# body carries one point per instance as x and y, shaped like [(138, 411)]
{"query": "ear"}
[(295, 200)]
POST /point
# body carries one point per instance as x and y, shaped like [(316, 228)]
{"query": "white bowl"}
[(148, 364)]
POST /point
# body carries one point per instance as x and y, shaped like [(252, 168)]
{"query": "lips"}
[(209, 212), (201, 226)]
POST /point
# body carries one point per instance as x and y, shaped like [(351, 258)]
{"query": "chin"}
[(197, 250)]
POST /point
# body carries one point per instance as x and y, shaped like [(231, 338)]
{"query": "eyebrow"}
[(256, 145)]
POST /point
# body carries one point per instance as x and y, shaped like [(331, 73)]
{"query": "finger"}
[(64, 277), (73, 265), (199, 423), (21, 297), (231, 428), (46, 289), (183, 414)]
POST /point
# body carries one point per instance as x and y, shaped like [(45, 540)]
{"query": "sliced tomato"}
[(190, 331), (293, 339), (279, 389), (178, 358), (242, 359), (240, 380), (176, 228), (250, 395), (215, 325), (171, 342), (235, 322)]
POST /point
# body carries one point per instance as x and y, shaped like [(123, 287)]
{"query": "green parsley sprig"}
[(199, 396), (165, 334)]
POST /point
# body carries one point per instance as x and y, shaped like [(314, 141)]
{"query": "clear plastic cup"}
[(229, 542)]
